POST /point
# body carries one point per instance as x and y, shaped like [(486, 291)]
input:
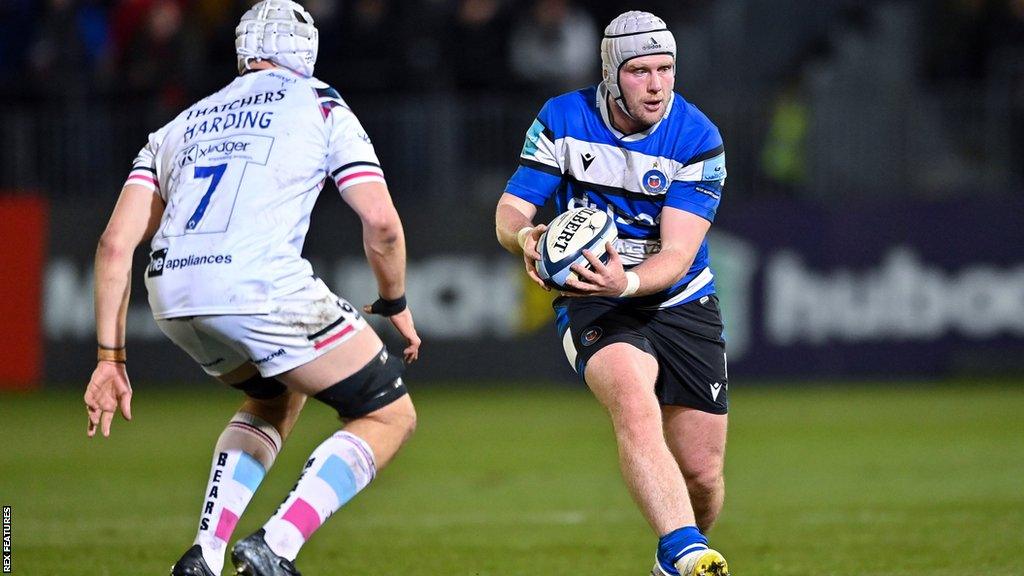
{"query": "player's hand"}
[(601, 279), (531, 255), (405, 326), (108, 389)]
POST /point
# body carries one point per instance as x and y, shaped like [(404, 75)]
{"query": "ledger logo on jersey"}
[(215, 150), (159, 262)]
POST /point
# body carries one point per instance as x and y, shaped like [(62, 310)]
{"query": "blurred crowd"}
[(967, 38), (178, 49), (805, 89)]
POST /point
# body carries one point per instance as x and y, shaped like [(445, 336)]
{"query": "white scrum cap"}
[(280, 31), (631, 35)]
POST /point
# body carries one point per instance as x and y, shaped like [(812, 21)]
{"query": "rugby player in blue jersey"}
[(643, 330)]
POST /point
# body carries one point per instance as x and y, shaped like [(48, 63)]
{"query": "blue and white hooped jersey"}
[(574, 155)]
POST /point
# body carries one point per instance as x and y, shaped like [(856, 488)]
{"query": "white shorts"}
[(302, 327)]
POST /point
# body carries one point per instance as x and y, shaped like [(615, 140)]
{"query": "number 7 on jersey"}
[(215, 173), (210, 175)]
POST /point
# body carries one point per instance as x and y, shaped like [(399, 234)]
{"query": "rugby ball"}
[(567, 236)]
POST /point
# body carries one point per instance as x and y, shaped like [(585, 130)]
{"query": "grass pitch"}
[(880, 480)]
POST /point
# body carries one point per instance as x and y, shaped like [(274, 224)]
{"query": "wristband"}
[(105, 354), (522, 235), (388, 307), (632, 284)]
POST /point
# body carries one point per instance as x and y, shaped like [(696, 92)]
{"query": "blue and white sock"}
[(336, 471), (679, 543), (244, 452)]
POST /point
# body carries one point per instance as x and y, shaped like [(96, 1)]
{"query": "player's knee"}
[(636, 417), (638, 431), (399, 416), (705, 483), (409, 420), (375, 386)]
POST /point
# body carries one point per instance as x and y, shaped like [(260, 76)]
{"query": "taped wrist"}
[(388, 307), (632, 284), (522, 235)]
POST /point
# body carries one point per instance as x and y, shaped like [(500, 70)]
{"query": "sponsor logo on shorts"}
[(590, 335), (159, 262), (211, 362), (715, 389), (269, 357)]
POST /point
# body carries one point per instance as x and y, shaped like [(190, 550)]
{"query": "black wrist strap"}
[(388, 307)]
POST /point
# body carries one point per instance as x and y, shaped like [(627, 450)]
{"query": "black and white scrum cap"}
[(631, 35)]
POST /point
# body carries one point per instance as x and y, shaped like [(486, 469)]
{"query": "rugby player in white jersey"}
[(644, 331), (225, 190)]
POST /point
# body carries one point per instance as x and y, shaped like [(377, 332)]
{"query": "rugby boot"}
[(697, 563), (253, 557), (192, 563)]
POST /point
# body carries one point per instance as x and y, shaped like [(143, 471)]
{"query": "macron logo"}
[(715, 389)]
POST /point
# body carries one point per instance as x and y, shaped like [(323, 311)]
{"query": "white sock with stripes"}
[(335, 472), (244, 452)]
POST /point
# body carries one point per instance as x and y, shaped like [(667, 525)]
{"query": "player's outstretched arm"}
[(384, 244), (513, 224), (135, 218)]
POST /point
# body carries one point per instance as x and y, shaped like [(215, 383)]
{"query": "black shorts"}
[(686, 340)]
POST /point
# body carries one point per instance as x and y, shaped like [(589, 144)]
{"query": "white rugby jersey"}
[(239, 173)]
